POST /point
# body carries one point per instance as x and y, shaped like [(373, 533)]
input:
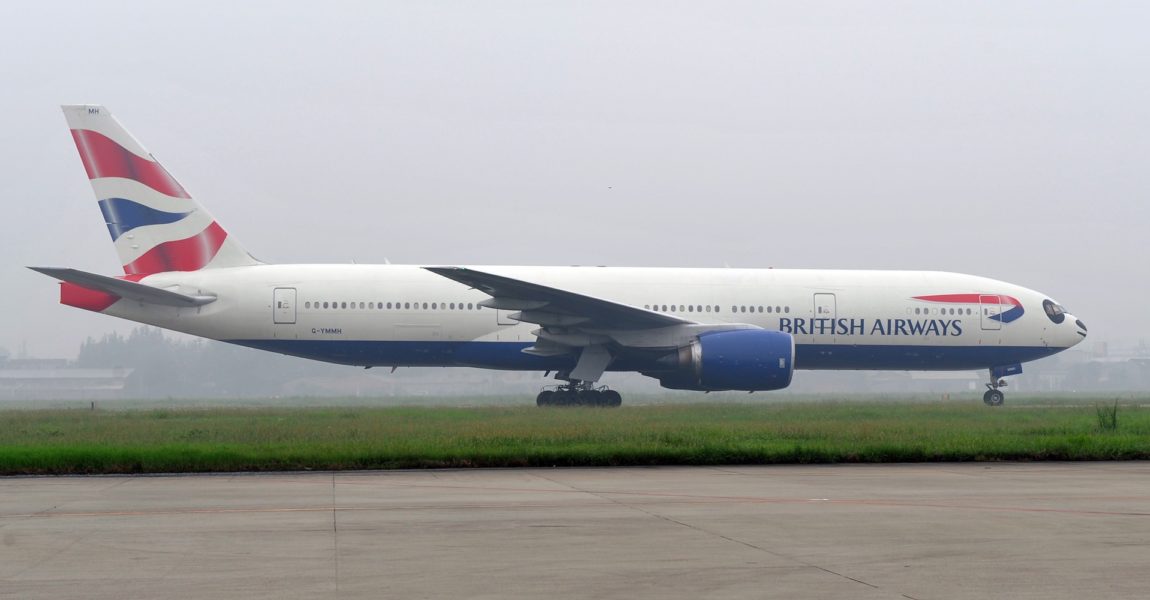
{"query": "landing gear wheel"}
[(586, 398), (993, 398), (578, 394)]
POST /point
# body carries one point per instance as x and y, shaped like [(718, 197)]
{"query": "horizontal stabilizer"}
[(124, 288)]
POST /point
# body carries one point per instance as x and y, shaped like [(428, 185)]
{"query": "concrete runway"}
[(1035, 530)]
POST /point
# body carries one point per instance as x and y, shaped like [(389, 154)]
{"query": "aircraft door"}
[(823, 324), (989, 311), (283, 306)]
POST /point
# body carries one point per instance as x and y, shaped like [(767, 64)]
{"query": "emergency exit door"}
[(283, 306)]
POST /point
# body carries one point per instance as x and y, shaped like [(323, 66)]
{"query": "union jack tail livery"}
[(155, 223)]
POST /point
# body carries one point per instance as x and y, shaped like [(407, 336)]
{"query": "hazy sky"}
[(1005, 139)]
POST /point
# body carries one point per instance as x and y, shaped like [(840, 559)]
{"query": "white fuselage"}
[(399, 315)]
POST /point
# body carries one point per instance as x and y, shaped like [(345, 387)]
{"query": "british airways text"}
[(936, 327)]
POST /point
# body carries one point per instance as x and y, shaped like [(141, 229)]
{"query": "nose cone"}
[(1073, 331)]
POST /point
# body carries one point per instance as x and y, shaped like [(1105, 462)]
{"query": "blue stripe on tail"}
[(123, 215)]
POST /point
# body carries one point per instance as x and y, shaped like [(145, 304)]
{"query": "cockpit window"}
[(1054, 311)]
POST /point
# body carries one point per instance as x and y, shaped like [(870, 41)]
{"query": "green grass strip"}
[(338, 438)]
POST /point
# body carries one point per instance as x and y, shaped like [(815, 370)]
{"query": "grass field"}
[(155, 440)]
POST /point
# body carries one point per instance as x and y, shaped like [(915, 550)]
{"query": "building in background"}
[(59, 379)]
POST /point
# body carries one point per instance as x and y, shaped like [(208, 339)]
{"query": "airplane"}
[(690, 328)]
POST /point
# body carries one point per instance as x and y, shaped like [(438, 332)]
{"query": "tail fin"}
[(155, 224)]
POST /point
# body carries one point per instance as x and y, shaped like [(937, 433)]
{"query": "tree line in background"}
[(166, 367)]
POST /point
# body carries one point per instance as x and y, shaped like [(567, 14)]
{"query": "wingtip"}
[(53, 272)]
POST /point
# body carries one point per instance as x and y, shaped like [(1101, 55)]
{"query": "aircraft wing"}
[(595, 330), (549, 306)]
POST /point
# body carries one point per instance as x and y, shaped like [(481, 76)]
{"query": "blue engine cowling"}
[(747, 359)]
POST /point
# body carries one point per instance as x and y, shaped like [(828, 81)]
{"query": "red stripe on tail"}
[(105, 158), (188, 254), (72, 294), (82, 297)]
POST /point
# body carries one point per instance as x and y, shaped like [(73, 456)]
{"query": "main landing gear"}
[(579, 393), (993, 397)]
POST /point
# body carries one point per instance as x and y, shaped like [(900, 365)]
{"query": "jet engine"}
[(746, 359)]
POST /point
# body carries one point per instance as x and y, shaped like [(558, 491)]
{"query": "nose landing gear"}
[(994, 397)]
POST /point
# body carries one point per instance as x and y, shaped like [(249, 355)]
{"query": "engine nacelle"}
[(748, 360)]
